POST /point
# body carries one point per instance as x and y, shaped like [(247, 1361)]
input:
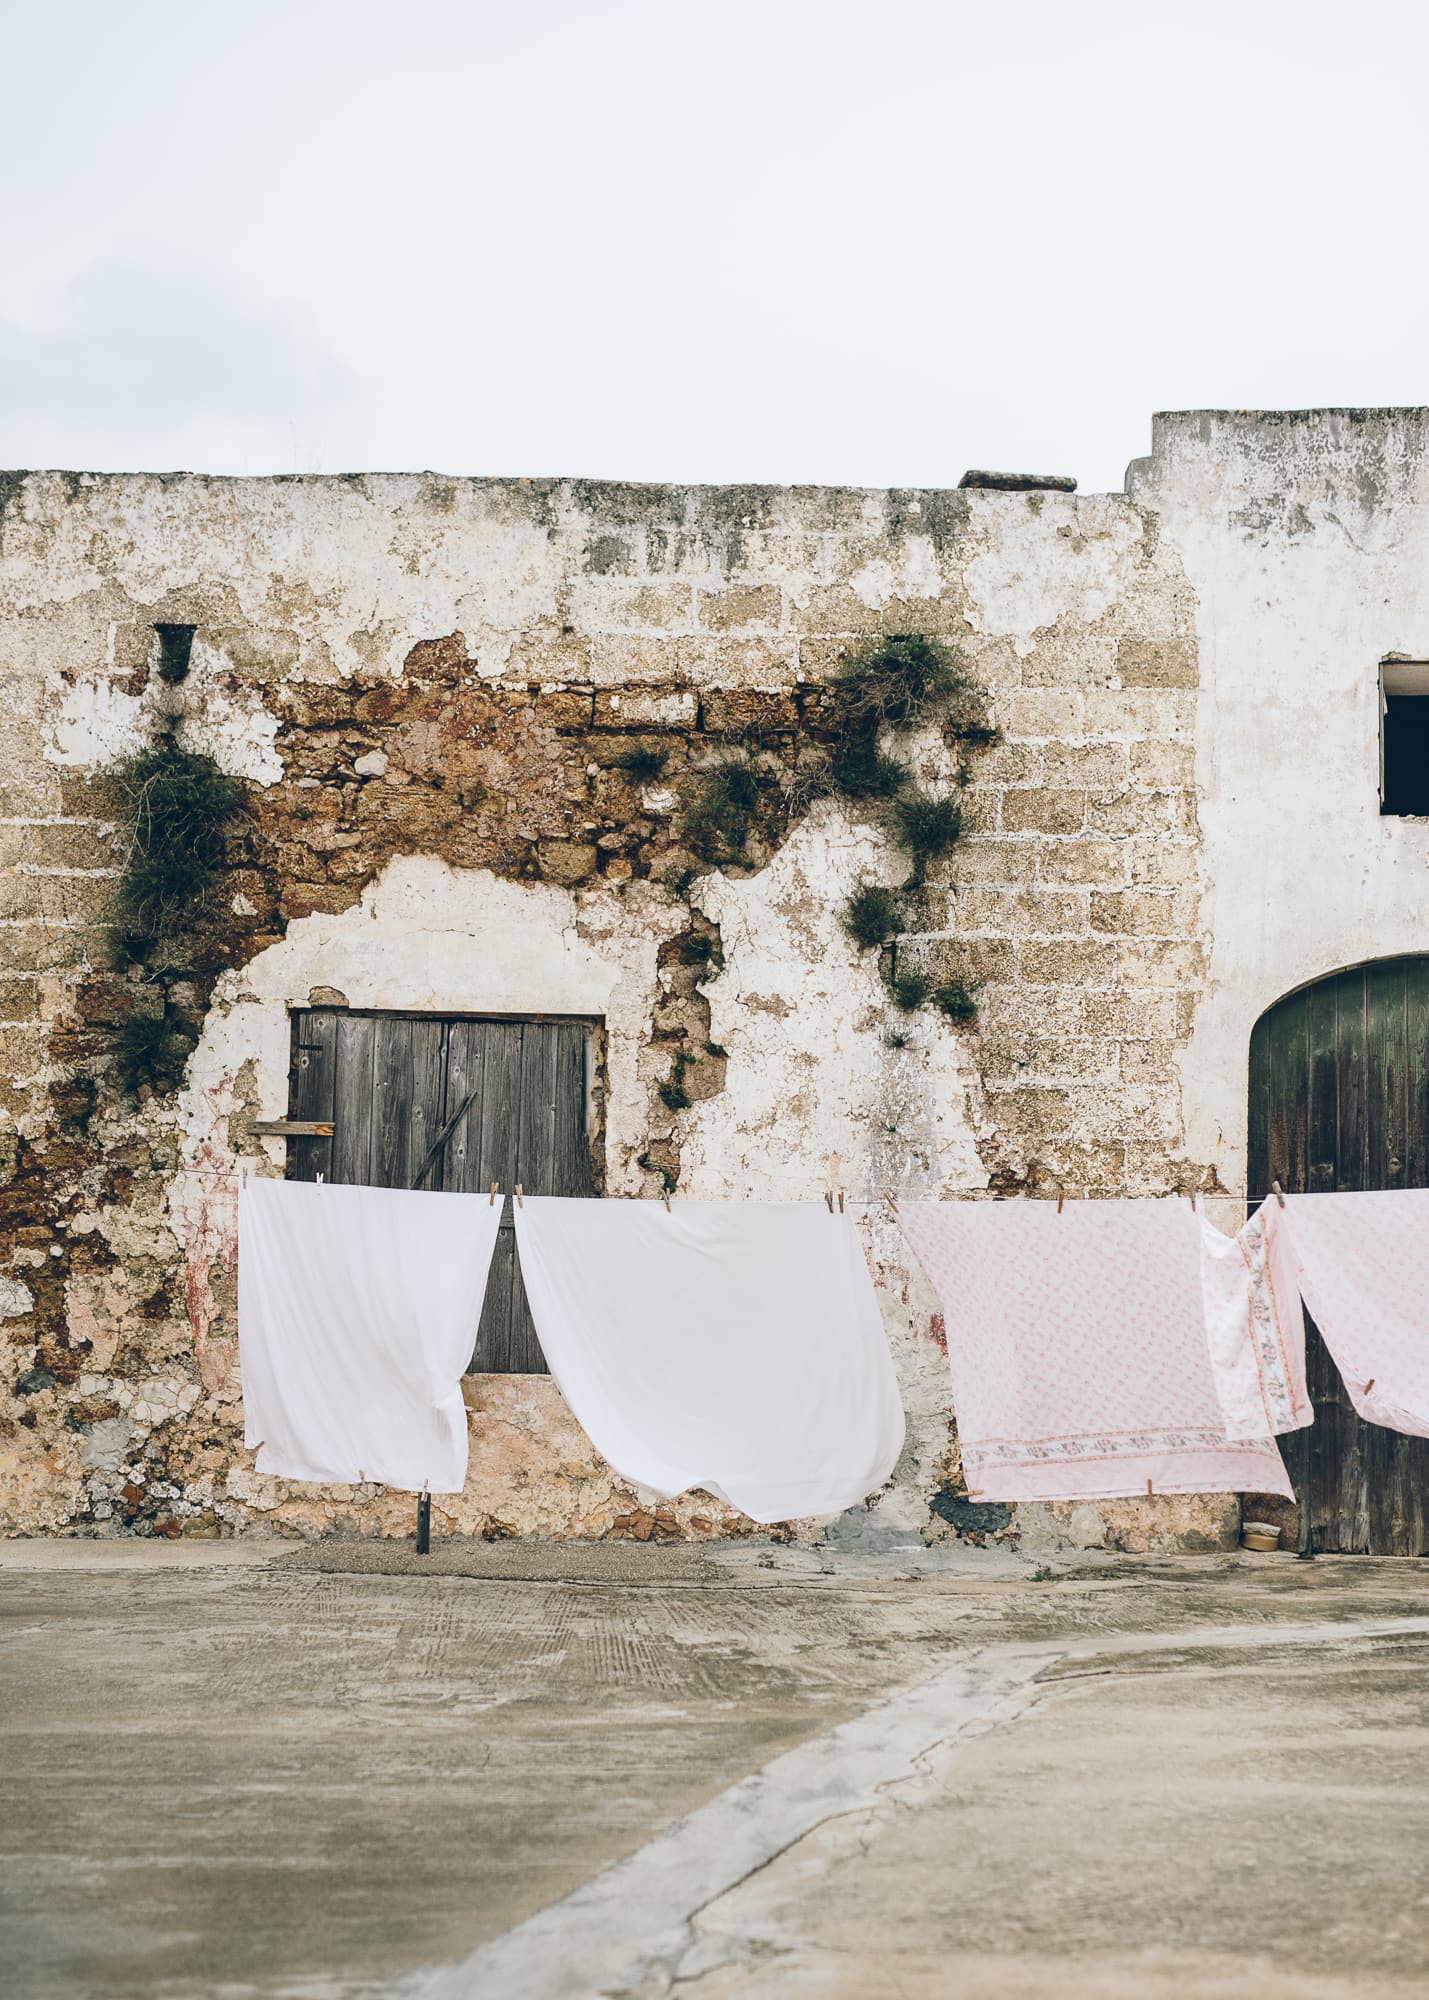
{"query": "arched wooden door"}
[(1339, 1099)]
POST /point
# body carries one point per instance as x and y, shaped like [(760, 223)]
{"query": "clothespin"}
[(1278, 1192), (828, 1201), (491, 1201), (1368, 1386), (841, 1201), (665, 1197), (519, 1202), (320, 1180), (1149, 1494), (1061, 1197)]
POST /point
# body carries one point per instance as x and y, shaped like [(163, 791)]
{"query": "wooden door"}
[(1339, 1099), (450, 1104)]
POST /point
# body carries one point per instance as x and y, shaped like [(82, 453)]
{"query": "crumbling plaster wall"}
[(423, 680), (1305, 536)]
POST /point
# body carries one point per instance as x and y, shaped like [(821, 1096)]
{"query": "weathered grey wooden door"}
[(455, 1105), (1339, 1099)]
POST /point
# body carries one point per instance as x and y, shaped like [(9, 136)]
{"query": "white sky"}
[(869, 242)]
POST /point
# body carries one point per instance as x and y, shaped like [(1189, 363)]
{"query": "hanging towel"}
[(1364, 1272), (1077, 1344), (733, 1346), (357, 1315), (1255, 1327)]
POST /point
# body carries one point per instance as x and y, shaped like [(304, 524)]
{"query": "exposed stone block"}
[(749, 604), (646, 708), (1165, 714), (1137, 1015), (1152, 962), (985, 860), (1043, 811), (436, 656), (832, 609), (1102, 864), (307, 899), (1161, 766), (567, 861), (1120, 814), (1023, 912), (1090, 766), (1157, 663), (1148, 1062), (19, 1000), (1142, 913), (22, 1051), (1167, 863), (974, 961), (732, 711), (567, 709), (1069, 963), (1041, 713)]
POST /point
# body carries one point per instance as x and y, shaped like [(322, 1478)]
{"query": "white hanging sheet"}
[(1364, 1273), (733, 1346), (1255, 1327), (1078, 1349), (357, 1316)]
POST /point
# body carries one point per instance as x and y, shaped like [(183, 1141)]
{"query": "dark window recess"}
[(176, 643), (1404, 741), (451, 1105)]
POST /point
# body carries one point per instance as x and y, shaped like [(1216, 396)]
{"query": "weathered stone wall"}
[(429, 685)]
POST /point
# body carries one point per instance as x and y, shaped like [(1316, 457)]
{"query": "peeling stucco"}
[(429, 684)]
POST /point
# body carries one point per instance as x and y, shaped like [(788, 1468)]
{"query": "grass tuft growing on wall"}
[(860, 770), (642, 764), (873, 915), (957, 1001), (151, 1049), (926, 824), (725, 809), (179, 805), (895, 681), (909, 990)]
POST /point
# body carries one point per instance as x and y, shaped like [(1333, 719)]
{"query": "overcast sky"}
[(870, 243)]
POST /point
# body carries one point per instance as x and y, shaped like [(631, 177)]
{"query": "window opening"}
[(1404, 738)]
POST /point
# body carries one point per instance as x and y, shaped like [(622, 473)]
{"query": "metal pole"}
[(424, 1524)]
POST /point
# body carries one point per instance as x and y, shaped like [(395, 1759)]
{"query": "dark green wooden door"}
[(1339, 1099), (417, 1100)]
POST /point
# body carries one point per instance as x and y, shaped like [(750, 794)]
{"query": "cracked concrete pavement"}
[(244, 1770)]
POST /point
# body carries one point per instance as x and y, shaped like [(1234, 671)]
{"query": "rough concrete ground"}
[(233, 1772)]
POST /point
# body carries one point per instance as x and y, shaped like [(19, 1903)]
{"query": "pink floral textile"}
[(1364, 1273), (1078, 1348), (1255, 1327)]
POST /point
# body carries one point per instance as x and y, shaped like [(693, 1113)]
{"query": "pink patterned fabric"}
[(1077, 1343), (1255, 1327), (1364, 1273)]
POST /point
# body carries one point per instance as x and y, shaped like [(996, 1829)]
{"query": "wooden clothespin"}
[(828, 1201), (495, 1186), (519, 1202), (1061, 1197), (1278, 1191), (1368, 1386), (841, 1201), (665, 1197), (1149, 1493)]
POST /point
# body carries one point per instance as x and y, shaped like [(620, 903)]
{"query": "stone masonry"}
[(431, 687)]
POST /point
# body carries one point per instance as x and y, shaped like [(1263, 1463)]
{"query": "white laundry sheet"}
[(1364, 1274), (357, 1316), (733, 1346), (1255, 1327), (1077, 1342)]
